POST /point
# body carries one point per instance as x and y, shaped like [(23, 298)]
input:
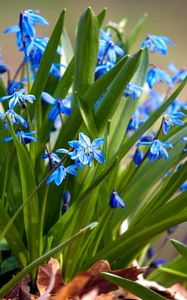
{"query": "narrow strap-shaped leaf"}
[(14, 239), (31, 211), (110, 100), (133, 287), (42, 259), (86, 51), (136, 30), (87, 117), (65, 82), (101, 16), (47, 58), (91, 96), (181, 248)]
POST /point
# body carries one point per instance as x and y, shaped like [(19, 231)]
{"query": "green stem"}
[(42, 219), (28, 77)]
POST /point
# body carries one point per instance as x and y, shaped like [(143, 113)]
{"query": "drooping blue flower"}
[(24, 137), (13, 117), (157, 43), (157, 149), (108, 50), (60, 174), (60, 106), (26, 27), (138, 156), (18, 98), (156, 75), (3, 68), (13, 86), (179, 74), (133, 90), (103, 68), (66, 197), (137, 119), (115, 200), (170, 120), (160, 261), (85, 150)]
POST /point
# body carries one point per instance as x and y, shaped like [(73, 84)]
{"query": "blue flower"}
[(183, 186), (60, 174), (155, 75), (61, 106), (157, 43), (18, 97), (107, 48), (3, 68), (24, 137), (13, 86), (157, 149), (26, 27), (103, 68), (115, 200), (179, 74), (133, 90), (138, 156), (66, 197), (85, 150), (13, 117), (172, 119)]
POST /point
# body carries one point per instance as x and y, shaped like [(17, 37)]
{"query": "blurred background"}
[(165, 17)]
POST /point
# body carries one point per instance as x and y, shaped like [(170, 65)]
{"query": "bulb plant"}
[(88, 141)]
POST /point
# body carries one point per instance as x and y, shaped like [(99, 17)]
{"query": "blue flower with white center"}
[(85, 150), (60, 106), (155, 75), (24, 137), (157, 43), (179, 74), (157, 149), (115, 200), (18, 98), (133, 90), (13, 117), (107, 48), (138, 156), (172, 119)]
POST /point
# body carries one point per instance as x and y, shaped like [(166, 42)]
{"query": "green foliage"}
[(30, 211)]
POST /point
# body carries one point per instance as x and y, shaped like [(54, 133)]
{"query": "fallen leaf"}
[(21, 291), (48, 274)]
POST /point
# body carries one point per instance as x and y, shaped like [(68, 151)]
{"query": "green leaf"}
[(101, 16), (42, 259), (65, 82), (111, 98), (31, 211), (181, 248), (86, 51), (87, 116), (133, 287), (127, 106), (136, 31), (66, 47), (91, 96), (13, 238), (48, 57), (9, 264)]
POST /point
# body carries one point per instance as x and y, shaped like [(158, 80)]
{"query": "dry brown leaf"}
[(84, 283), (21, 291), (48, 274)]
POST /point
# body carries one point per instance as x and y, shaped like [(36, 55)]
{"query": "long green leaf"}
[(86, 51), (133, 287), (42, 259), (181, 248), (136, 31), (14, 239), (110, 100), (31, 211)]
